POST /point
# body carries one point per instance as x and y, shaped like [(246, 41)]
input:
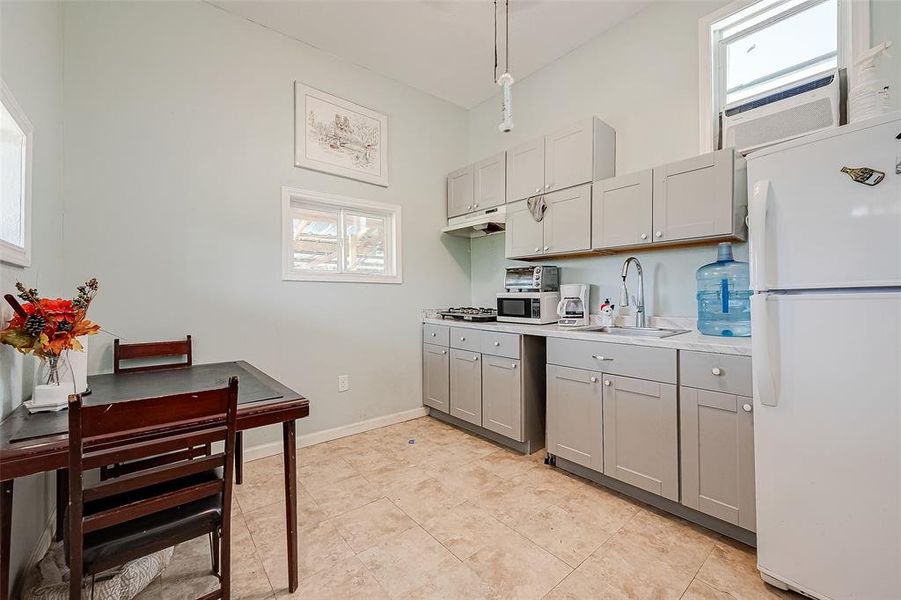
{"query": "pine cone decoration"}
[(34, 325), (64, 326)]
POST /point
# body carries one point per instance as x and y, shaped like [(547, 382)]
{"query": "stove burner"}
[(469, 313)]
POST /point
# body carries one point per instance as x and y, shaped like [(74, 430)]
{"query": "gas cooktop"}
[(469, 313)]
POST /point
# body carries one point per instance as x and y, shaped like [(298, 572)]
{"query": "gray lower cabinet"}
[(502, 396), (717, 438), (466, 385), (575, 416), (435, 377), (641, 444)]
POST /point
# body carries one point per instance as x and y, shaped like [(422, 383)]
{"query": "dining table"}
[(39, 442)]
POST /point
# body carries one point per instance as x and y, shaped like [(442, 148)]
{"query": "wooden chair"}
[(134, 515), (176, 348)]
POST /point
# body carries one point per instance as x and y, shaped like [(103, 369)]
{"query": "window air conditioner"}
[(787, 113)]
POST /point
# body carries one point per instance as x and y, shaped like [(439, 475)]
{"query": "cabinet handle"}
[(658, 234), (746, 407), (462, 339), (716, 371), (607, 382), (512, 365), (476, 205), (538, 190), (433, 334), (547, 186), (644, 236), (497, 343), (546, 248), (444, 352), (537, 249), (468, 207), (594, 380), (476, 357), (596, 357)]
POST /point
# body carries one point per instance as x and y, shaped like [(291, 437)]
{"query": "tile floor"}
[(453, 516)]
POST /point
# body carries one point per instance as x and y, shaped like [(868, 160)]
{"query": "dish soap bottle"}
[(724, 296)]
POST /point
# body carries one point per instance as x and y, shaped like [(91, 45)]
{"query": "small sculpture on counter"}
[(607, 313)]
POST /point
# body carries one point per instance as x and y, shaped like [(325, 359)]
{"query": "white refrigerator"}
[(826, 322)]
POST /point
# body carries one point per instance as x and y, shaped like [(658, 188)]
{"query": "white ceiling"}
[(445, 48)]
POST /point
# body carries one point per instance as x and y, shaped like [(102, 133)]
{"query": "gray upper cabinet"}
[(641, 445), (490, 182), (466, 386), (460, 192), (622, 211), (435, 377), (502, 396), (567, 221), (575, 416), (578, 154), (717, 439), (700, 197), (524, 236), (525, 170)]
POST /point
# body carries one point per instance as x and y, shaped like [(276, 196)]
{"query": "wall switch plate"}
[(343, 383)]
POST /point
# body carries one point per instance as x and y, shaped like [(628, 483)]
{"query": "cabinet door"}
[(490, 182), (693, 197), (621, 209), (524, 236), (435, 377), (640, 434), (575, 429), (567, 222), (502, 396), (525, 170), (466, 386), (459, 192), (568, 156), (718, 455)]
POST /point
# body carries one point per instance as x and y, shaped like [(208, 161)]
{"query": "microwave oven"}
[(537, 308)]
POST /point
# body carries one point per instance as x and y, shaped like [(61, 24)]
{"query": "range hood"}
[(478, 224)]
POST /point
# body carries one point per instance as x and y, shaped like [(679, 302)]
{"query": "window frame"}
[(10, 253), (390, 212), (853, 40)]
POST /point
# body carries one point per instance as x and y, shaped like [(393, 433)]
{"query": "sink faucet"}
[(624, 301)]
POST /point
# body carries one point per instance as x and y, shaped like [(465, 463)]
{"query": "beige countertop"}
[(693, 340)]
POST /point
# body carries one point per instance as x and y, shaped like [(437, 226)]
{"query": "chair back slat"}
[(144, 350), (120, 469), (112, 450), (127, 512), (152, 476)]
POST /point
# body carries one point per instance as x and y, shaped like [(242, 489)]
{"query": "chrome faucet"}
[(624, 300)]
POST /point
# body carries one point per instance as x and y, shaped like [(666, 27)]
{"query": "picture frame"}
[(336, 136)]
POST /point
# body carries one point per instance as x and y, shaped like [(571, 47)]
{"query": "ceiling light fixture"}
[(506, 79)]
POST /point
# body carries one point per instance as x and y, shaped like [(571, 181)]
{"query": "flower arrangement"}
[(47, 327)]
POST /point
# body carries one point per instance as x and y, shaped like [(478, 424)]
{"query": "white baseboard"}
[(327, 435)]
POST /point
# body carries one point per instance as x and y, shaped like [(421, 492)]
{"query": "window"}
[(15, 181), (753, 48), (331, 238)]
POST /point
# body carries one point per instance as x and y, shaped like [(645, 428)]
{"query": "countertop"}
[(693, 340)]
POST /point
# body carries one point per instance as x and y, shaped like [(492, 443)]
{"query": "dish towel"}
[(537, 206)]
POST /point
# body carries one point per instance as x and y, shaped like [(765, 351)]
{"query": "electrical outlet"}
[(343, 383)]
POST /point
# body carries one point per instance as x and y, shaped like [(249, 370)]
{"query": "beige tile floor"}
[(453, 516)]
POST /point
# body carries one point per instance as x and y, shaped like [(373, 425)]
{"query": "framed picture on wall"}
[(336, 136)]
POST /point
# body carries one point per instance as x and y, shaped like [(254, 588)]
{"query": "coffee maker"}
[(573, 306)]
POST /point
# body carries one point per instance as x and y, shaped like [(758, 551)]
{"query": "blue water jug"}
[(724, 296)]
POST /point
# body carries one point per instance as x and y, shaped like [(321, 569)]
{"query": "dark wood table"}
[(31, 444)]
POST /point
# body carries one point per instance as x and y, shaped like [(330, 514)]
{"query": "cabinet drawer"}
[(716, 372), (466, 339), (435, 334), (500, 344), (657, 364)]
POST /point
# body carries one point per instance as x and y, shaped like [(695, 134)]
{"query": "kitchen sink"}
[(654, 332)]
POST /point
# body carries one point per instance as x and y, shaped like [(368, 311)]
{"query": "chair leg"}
[(93, 578), (239, 458), (215, 545)]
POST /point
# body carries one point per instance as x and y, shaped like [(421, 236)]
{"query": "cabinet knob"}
[(444, 352), (476, 205), (594, 380), (746, 407), (607, 382), (512, 365), (716, 371), (470, 206), (537, 249), (537, 190), (658, 234), (546, 248), (644, 236), (433, 334), (497, 343), (476, 357), (547, 186), (598, 357)]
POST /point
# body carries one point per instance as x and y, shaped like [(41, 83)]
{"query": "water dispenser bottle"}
[(724, 296)]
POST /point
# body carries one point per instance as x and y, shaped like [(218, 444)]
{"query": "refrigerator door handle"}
[(766, 359), (759, 203)]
